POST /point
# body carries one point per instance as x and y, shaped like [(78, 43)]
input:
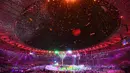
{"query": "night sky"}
[(66, 24)]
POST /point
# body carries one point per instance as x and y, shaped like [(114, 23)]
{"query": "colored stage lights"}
[(69, 52), (56, 52), (70, 1)]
